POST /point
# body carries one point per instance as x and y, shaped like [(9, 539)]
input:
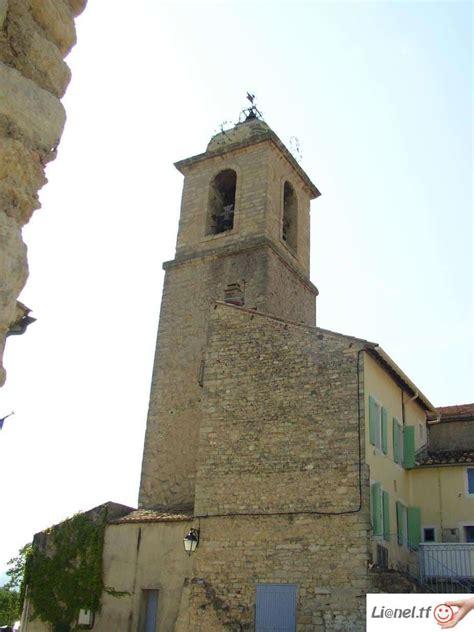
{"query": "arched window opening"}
[(290, 216), (222, 202)]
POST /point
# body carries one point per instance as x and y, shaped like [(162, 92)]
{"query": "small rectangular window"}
[(422, 434), (402, 444), (234, 294), (397, 438), (470, 480), (401, 523), (377, 425), (429, 534), (376, 506), (378, 429), (469, 533)]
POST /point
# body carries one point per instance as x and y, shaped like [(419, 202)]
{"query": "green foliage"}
[(16, 573), (16, 569), (9, 606), (64, 574)]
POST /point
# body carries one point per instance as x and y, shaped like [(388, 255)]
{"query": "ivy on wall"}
[(64, 572)]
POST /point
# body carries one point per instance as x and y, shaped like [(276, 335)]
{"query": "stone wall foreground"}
[(278, 494), (35, 36)]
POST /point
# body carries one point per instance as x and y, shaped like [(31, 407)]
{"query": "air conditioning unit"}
[(85, 619)]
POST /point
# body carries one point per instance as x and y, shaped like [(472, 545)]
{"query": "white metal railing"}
[(446, 560)]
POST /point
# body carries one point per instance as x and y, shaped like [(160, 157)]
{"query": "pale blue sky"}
[(379, 95)]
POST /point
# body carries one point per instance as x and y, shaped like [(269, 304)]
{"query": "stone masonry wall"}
[(35, 36), (289, 296), (325, 556), (190, 288), (451, 435), (280, 417), (280, 437)]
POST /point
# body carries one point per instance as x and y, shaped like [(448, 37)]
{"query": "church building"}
[(279, 452)]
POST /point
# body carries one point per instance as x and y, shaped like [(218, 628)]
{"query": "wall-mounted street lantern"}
[(191, 540)]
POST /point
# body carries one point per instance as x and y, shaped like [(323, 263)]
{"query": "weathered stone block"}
[(21, 175), (56, 19), (13, 274), (34, 114), (3, 11), (53, 73), (26, 47), (77, 6)]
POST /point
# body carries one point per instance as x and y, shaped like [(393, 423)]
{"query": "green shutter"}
[(372, 420), (400, 522), (384, 431), (414, 527), (395, 436), (409, 446), (376, 510), (386, 516)]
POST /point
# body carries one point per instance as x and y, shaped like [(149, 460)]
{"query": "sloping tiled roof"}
[(451, 413), (451, 457), (151, 515)]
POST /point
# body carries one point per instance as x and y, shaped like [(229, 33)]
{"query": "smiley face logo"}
[(443, 613)]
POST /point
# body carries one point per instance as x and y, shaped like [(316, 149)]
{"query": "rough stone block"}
[(27, 48), (21, 175), (13, 274), (3, 11), (33, 112), (56, 19), (53, 73), (77, 6)]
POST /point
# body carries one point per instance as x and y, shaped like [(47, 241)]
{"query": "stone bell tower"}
[(243, 238)]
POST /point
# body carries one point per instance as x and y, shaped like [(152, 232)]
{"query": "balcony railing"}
[(447, 560), (443, 568)]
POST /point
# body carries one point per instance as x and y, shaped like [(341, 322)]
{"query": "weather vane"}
[(252, 112)]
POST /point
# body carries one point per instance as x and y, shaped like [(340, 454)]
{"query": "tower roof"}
[(249, 132), (249, 129)]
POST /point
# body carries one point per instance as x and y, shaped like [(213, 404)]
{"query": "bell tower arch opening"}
[(289, 231), (221, 204)]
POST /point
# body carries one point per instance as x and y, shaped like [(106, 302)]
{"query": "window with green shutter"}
[(378, 432), (372, 420), (386, 516), (395, 439), (401, 520), (376, 509), (409, 446), (414, 527), (384, 430)]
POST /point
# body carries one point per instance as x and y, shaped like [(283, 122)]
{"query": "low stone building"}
[(268, 437)]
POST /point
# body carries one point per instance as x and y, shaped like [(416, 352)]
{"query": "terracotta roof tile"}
[(459, 411), (151, 515), (451, 457)]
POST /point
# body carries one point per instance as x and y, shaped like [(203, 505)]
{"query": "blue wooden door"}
[(276, 608), (151, 611)]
